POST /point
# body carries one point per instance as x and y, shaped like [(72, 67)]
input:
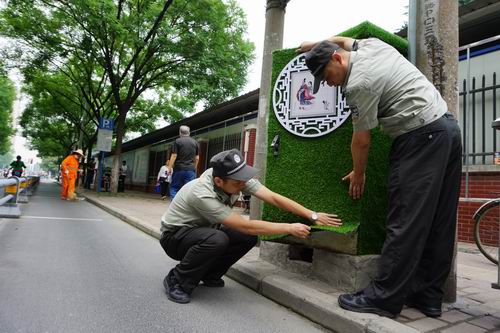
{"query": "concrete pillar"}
[(273, 39), (437, 57)]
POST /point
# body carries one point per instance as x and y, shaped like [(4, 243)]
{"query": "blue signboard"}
[(106, 123)]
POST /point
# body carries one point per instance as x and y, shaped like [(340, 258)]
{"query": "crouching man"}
[(201, 231)]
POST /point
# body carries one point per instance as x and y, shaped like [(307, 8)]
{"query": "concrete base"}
[(22, 197), (344, 272), (10, 211), (326, 240)]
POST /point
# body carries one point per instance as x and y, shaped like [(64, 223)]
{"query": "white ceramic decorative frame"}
[(319, 123)]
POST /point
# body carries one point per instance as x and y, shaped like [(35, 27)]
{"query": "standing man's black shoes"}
[(358, 302), (429, 311), (175, 293)]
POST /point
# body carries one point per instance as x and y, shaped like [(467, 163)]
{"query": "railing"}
[(469, 115), (483, 110), (16, 190)]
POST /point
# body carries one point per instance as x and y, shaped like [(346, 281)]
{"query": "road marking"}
[(57, 218)]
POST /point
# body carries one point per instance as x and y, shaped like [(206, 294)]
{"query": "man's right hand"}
[(305, 46), (299, 230)]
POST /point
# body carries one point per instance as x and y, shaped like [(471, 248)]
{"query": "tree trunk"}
[(273, 39), (437, 57), (120, 131)]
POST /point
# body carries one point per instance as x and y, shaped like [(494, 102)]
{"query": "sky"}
[(304, 20), (313, 20)]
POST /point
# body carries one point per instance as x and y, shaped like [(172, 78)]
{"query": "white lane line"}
[(57, 218)]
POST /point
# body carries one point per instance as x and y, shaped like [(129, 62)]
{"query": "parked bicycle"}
[(486, 220)]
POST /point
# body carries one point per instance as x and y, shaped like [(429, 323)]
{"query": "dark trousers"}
[(121, 184), (204, 253), (163, 186), (424, 187)]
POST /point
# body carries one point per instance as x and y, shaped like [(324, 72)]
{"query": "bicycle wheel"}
[(486, 230)]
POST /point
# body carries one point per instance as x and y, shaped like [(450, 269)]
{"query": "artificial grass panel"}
[(309, 170)]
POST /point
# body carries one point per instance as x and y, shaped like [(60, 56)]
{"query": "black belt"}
[(448, 115)]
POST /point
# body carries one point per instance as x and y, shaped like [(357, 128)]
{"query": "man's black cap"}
[(317, 59), (230, 164)]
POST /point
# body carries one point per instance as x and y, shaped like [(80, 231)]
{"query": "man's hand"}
[(356, 184), (330, 220), (299, 230), (305, 46)]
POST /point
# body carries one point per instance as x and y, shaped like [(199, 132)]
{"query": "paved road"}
[(71, 267)]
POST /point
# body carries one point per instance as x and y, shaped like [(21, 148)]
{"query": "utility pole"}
[(273, 39), (435, 50)]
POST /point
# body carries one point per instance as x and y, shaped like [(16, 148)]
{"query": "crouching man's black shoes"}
[(426, 309), (213, 283), (358, 302), (175, 293)]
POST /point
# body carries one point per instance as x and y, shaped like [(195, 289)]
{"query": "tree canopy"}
[(7, 97), (112, 51)]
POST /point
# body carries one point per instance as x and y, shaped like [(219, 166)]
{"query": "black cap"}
[(317, 59), (230, 164)]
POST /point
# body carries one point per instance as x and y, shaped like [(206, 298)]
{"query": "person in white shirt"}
[(164, 178), (123, 175)]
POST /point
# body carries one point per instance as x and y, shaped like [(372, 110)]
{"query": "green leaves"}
[(7, 96), (110, 52)]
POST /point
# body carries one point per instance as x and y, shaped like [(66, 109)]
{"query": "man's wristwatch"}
[(314, 217)]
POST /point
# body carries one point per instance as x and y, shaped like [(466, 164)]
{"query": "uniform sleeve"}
[(363, 104), (212, 209), (174, 147), (251, 187)]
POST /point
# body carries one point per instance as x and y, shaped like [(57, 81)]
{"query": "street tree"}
[(7, 97), (186, 51)]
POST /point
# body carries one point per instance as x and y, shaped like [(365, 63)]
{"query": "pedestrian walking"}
[(164, 178), (382, 87), (200, 229), (183, 160), (17, 167), (69, 172)]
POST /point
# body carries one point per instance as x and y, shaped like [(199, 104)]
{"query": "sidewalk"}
[(477, 308)]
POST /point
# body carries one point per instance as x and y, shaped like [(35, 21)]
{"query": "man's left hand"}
[(356, 184), (330, 220)]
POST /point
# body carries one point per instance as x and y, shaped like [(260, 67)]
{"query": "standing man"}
[(69, 172), (123, 175), (183, 161), (382, 87), (17, 167), (201, 231)]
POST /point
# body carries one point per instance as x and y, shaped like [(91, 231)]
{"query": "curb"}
[(313, 300), (130, 220)]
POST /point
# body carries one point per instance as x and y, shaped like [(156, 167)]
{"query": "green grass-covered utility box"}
[(309, 169)]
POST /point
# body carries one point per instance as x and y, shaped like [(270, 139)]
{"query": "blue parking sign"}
[(106, 123)]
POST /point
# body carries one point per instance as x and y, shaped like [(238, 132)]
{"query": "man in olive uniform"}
[(201, 230), (383, 88)]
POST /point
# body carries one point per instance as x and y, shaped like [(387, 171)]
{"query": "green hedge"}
[(310, 170)]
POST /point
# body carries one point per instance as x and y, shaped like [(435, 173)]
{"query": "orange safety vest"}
[(70, 163)]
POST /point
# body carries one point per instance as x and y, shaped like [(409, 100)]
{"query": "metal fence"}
[(483, 110)]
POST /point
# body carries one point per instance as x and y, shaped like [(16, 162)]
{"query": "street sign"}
[(106, 124), (104, 139), (105, 134)]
